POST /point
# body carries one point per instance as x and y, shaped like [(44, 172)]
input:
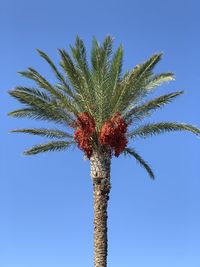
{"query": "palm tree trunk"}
[(100, 173)]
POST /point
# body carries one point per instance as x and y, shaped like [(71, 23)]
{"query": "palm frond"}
[(79, 54), (76, 101), (140, 160), (159, 79), (76, 79), (100, 54), (50, 133), (66, 88), (95, 54), (41, 107), (141, 111), (162, 127), (37, 114), (100, 73), (145, 70), (115, 74), (106, 51), (52, 65), (132, 86), (69, 68), (25, 97), (23, 113), (34, 91), (116, 65), (41, 81), (35, 98), (51, 146), (80, 57)]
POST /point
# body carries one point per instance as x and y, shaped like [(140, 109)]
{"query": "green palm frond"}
[(114, 76), (77, 81), (116, 66), (37, 114), (162, 127), (63, 100), (50, 133), (52, 65), (51, 146), (106, 51), (159, 79), (75, 103), (141, 111), (100, 54), (66, 88), (80, 56), (34, 91), (26, 97), (56, 94), (71, 71), (40, 108), (100, 59), (23, 113), (41, 81), (133, 85), (140, 160), (145, 69)]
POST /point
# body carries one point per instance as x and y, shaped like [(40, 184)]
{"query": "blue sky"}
[(46, 213)]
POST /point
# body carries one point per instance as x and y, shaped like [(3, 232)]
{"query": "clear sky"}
[(46, 209)]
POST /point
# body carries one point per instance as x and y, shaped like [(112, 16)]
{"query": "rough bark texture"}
[(100, 173)]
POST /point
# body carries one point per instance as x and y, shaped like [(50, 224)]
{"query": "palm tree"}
[(101, 109)]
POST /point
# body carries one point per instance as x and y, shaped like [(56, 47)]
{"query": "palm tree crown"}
[(97, 103)]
